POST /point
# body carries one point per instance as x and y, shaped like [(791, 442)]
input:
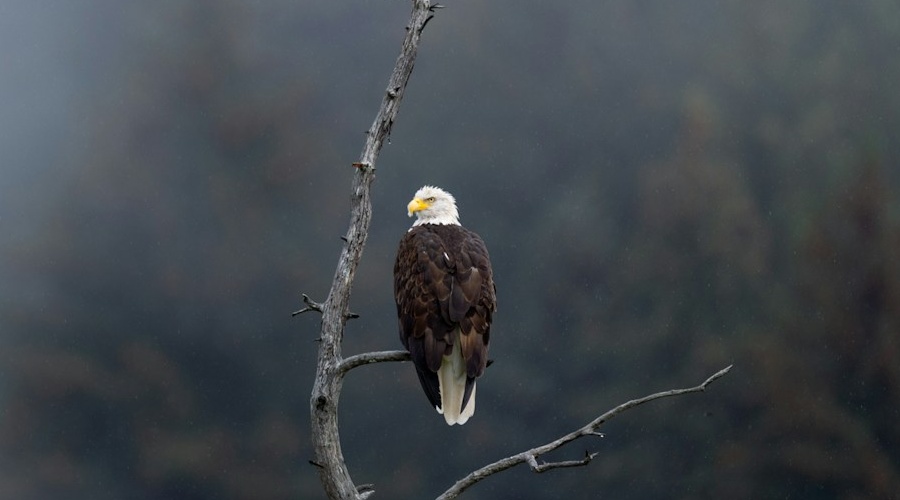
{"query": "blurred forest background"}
[(666, 188)]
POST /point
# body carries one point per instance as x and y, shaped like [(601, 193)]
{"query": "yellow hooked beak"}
[(416, 205)]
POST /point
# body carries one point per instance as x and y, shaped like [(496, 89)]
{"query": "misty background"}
[(666, 188)]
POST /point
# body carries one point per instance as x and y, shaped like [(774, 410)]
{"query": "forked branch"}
[(530, 456), (311, 305)]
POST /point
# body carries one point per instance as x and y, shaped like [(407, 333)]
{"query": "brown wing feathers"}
[(442, 280)]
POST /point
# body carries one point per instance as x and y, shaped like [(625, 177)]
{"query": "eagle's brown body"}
[(445, 295)]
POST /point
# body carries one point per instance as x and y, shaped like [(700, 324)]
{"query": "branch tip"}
[(715, 376), (426, 20)]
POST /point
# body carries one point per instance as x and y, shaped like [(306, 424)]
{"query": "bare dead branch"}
[(365, 490), (372, 357), (545, 466), (330, 367), (310, 306), (530, 456), (315, 306)]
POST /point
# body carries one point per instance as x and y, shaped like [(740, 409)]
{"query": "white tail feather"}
[(452, 379)]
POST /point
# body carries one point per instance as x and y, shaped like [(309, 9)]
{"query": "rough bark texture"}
[(330, 372)]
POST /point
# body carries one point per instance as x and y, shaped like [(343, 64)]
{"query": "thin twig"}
[(530, 456), (545, 466), (310, 306), (315, 306)]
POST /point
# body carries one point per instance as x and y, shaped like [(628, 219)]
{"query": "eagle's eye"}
[(430, 199)]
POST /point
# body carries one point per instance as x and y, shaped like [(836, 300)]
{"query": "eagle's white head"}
[(433, 205)]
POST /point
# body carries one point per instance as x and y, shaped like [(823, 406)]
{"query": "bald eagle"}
[(445, 297)]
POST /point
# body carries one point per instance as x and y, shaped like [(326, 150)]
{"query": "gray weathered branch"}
[(372, 357), (330, 367), (530, 456)]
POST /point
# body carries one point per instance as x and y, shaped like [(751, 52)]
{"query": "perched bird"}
[(446, 298)]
